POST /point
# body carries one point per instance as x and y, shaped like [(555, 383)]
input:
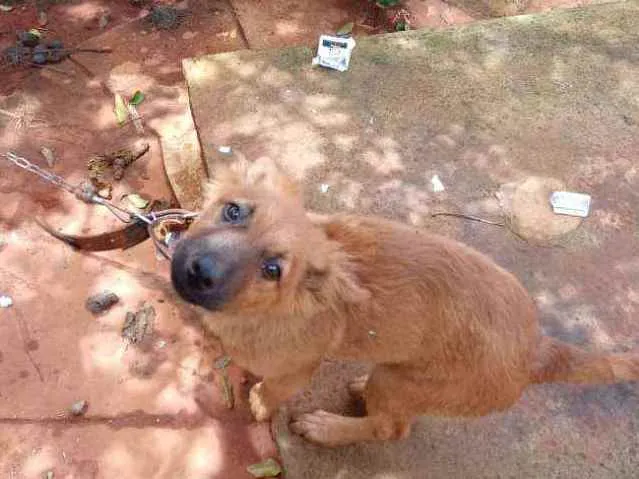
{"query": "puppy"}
[(449, 332)]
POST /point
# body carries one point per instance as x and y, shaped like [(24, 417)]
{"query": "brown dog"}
[(449, 332)]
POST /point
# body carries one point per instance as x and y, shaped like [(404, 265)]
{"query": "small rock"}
[(188, 35), (104, 21), (6, 302), (79, 408), (101, 302), (39, 58), (6, 8)]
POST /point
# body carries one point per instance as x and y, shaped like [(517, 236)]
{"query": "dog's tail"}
[(561, 362)]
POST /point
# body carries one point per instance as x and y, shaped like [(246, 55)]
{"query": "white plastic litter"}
[(334, 52), (437, 184), (324, 188), (5, 301), (569, 203), (225, 150)]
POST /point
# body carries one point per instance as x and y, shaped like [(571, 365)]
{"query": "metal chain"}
[(88, 195), (84, 193), (42, 173)]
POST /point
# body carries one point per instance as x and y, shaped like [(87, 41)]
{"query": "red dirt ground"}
[(156, 410)]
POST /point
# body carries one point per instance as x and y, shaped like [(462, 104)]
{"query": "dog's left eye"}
[(271, 269)]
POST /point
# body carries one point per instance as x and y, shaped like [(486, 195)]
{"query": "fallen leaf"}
[(268, 468), (346, 29), (137, 98), (227, 390), (137, 201), (121, 111), (48, 155)]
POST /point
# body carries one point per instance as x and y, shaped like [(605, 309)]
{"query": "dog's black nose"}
[(206, 272)]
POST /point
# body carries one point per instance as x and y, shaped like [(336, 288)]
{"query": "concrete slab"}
[(553, 95)]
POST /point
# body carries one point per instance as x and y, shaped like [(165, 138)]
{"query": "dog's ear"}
[(263, 173), (330, 276)]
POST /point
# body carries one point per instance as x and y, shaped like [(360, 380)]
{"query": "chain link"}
[(42, 173)]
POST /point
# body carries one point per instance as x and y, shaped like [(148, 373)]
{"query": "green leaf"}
[(121, 111), (137, 98), (346, 29), (137, 201), (268, 468)]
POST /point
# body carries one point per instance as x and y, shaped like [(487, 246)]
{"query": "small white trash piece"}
[(324, 187), (5, 301), (569, 203), (334, 52), (437, 184)]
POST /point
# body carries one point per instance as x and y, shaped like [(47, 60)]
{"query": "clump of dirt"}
[(139, 326)]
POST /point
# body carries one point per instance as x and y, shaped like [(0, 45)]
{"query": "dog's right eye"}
[(232, 213)]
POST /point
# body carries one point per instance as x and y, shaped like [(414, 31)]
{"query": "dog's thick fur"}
[(449, 332)]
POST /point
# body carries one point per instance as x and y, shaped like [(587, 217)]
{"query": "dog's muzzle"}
[(210, 269)]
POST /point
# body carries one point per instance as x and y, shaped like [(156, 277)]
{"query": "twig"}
[(468, 217), (24, 333), (49, 67)]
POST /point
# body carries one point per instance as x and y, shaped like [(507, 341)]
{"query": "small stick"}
[(468, 217), (49, 67)]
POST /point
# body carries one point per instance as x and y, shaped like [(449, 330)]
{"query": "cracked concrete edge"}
[(183, 164)]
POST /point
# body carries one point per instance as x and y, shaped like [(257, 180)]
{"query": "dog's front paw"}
[(261, 409), (323, 428)]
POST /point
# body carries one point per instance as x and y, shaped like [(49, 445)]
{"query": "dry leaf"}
[(268, 468), (346, 29), (121, 111), (137, 201), (48, 155)]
